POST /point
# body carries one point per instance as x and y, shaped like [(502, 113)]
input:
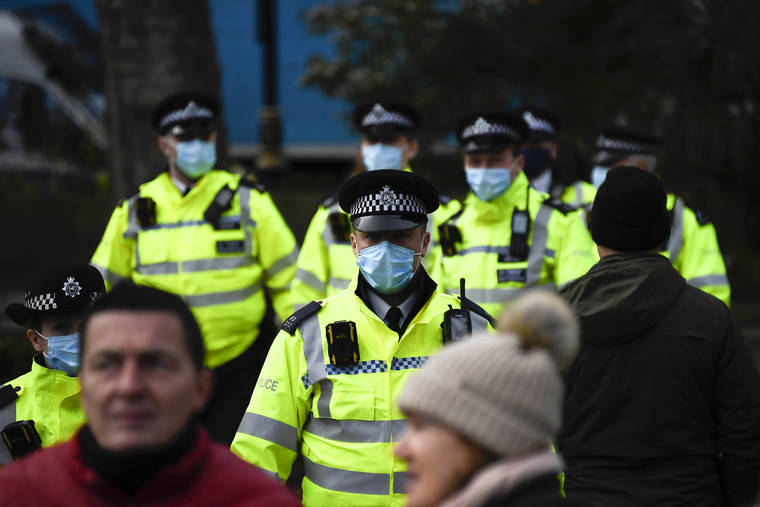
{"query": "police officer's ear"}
[(354, 246), (412, 148), (425, 243), (553, 150), (34, 339), (518, 166), (165, 145)]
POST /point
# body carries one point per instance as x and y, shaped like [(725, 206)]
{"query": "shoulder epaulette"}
[(702, 218), (469, 304), (130, 195), (560, 206), (291, 323), (250, 181), (329, 201), (7, 395), (455, 215)]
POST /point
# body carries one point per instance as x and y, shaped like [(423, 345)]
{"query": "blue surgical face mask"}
[(63, 352), (598, 175), (195, 158), (381, 156), (488, 184), (537, 160), (387, 267)]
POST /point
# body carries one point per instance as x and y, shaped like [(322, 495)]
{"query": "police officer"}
[(42, 407), (330, 381), (326, 263), (692, 247), (507, 236), (539, 151), (215, 239)]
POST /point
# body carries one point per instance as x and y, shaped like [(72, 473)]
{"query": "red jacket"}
[(209, 475)]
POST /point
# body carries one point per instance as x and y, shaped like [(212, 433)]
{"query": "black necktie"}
[(393, 319)]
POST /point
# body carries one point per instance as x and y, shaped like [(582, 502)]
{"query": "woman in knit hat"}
[(482, 413)]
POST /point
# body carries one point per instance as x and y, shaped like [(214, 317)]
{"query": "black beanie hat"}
[(630, 212)]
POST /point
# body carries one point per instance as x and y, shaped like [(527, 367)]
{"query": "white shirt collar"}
[(381, 307)]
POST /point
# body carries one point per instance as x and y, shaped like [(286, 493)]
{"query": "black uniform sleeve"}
[(738, 418)]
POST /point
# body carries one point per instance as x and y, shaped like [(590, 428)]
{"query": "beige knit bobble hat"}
[(502, 392)]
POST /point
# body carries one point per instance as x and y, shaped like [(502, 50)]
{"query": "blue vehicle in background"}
[(51, 75)]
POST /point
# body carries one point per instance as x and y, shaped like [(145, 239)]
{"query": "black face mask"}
[(536, 161)]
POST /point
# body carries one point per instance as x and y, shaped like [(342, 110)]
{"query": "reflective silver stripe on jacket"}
[(310, 279), (108, 275), (176, 225), (220, 298), (269, 429), (538, 245), (7, 416), (504, 250), (133, 226), (675, 242), (215, 264), (327, 234), (282, 263), (364, 483), (704, 281), (578, 194), (271, 474), (194, 266), (315, 362), (400, 482), (356, 431), (339, 283), (246, 222), (483, 296)]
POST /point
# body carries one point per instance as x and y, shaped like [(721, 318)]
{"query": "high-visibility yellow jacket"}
[(694, 252), (219, 272), (692, 248), (327, 263), (579, 194), (560, 248), (344, 419), (48, 397)]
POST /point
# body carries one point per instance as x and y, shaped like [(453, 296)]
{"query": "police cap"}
[(387, 200), (60, 288), (541, 123), (490, 131), (615, 143), (385, 119), (174, 113)]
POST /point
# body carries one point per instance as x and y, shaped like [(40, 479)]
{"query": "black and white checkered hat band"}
[(41, 302), (610, 143), (387, 202), (191, 111), (538, 124), (380, 116), (483, 128)]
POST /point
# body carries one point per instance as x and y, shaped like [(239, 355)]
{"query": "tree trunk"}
[(151, 48)]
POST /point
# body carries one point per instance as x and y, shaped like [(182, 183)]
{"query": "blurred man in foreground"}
[(143, 383)]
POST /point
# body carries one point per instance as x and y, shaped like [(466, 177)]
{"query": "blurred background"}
[(78, 79)]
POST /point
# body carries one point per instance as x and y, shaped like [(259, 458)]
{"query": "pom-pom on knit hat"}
[(503, 392)]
